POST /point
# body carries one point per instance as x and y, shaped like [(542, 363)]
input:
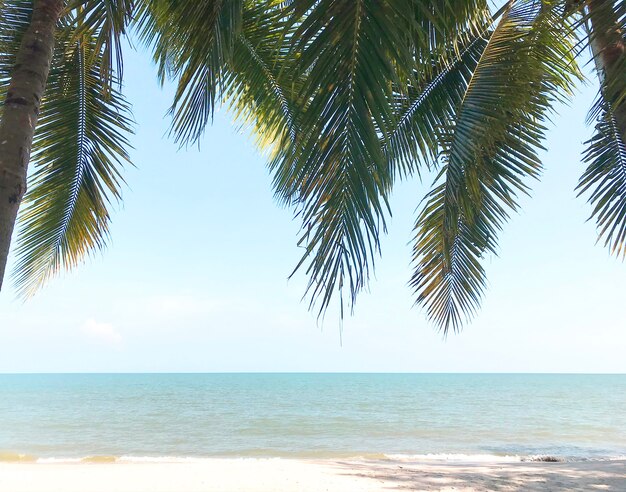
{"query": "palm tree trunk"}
[(19, 116), (607, 42)]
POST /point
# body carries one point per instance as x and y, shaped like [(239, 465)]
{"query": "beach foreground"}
[(287, 475)]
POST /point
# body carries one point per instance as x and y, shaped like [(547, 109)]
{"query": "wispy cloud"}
[(102, 332)]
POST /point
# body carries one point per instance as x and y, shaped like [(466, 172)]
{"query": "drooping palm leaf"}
[(192, 42), (354, 56), (79, 148), (445, 27), (14, 20), (425, 109), (107, 21), (605, 178), (259, 85), (489, 148), (350, 54), (217, 50), (432, 98), (605, 23)]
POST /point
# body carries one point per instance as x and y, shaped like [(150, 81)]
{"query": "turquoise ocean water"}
[(189, 416)]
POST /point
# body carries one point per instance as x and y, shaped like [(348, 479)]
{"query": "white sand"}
[(282, 475)]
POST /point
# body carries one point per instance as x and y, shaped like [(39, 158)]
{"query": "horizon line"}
[(52, 373)]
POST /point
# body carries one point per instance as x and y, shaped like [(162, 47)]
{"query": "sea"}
[(186, 417)]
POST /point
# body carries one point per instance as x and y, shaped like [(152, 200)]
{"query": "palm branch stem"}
[(20, 112)]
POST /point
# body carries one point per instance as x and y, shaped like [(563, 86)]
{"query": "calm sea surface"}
[(311, 415)]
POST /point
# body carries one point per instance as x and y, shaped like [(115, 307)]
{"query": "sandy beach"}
[(287, 475)]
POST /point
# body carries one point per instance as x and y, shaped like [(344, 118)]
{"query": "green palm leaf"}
[(349, 54), (605, 179), (605, 176), (488, 149), (192, 42), (106, 21), (425, 109), (79, 147), (351, 58), (269, 60), (14, 20), (218, 50), (259, 85), (432, 98), (605, 24)]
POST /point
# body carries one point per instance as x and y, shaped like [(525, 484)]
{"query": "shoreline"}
[(442, 457), (312, 475), (373, 458)]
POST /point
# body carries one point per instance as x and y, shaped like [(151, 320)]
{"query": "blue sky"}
[(195, 278)]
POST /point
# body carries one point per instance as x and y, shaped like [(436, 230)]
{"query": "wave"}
[(498, 458), (474, 458), (9, 457)]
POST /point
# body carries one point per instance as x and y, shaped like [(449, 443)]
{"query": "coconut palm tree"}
[(351, 96), (228, 50), (63, 110), (60, 79)]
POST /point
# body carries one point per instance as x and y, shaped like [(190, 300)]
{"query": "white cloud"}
[(102, 332)]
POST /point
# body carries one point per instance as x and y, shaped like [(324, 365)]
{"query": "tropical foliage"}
[(80, 144), (355, 95), (348, 98)]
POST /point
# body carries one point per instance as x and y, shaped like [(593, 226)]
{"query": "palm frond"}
[(605, 23), (605, 179), (79, 148), (107, 21), (434, 94), (259, 85), (352, 57), (192, 42), (348, 54), (489, 148), (444, 28), (425, 109), (14, 20)]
